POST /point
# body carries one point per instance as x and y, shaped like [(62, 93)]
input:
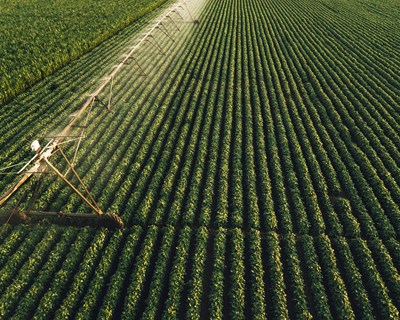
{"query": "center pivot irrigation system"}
[(40, 165)]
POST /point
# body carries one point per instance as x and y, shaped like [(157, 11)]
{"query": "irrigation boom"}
[(41, 164)]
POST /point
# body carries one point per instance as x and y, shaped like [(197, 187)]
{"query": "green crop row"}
[(58, 33), (255, 168), (171, 272)]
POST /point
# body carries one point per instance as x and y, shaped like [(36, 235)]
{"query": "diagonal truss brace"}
[(91, 202)]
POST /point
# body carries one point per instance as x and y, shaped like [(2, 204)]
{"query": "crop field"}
[(256, 168)]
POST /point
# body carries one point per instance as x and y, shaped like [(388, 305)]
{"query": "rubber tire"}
[(111, 221)]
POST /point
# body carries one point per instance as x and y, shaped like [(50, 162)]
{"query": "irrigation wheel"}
[(111, 221)]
